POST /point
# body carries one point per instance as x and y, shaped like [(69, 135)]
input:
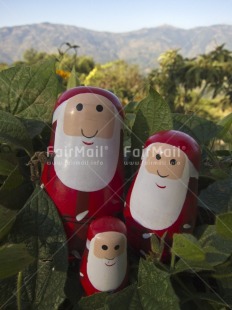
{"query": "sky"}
[(117, 15)]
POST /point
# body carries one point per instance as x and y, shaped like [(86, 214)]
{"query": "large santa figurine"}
[(162, 198), (85, 181), (104, 262)]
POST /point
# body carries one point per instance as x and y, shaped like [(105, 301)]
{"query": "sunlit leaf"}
[(155, 288), (29, 91), (73, 80), (187, 247), (153, 115), (224, 225)]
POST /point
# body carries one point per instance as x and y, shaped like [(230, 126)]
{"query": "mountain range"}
[(140, 47)]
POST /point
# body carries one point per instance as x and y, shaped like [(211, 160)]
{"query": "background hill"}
[(141, 47)]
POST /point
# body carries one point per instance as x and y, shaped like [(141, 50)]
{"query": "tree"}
[(3, 66), (31, 56), (189, 83), (123, 79)]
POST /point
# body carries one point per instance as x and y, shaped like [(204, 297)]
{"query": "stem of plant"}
[(19, 285), (173, 258)]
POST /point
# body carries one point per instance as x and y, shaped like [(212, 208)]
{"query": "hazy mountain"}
[(141, 47)]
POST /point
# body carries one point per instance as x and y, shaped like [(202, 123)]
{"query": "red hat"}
[(93, 90), (104, 224), (181, 140)]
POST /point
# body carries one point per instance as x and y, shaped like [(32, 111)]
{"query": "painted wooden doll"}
[(104, 262), (163, 196), (85, 181)]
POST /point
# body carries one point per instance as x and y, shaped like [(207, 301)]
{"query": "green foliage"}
[(29, 91), (7, 218), (73, 80), (33, 251), (39, 227), (153, 115), (123, 79), (13, 132), (184, 82), (13, 258)]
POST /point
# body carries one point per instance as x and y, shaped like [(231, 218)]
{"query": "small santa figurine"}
[(162, 198), (85, 181), (104, 262)]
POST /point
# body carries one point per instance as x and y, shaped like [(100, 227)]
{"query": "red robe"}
[(71, 202)]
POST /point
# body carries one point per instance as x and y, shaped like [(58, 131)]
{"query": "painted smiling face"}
[(107, 260), (165, 161), (87, 141), (161, 186), (89, 116)]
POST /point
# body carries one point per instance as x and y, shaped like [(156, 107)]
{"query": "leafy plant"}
[(34, 267)]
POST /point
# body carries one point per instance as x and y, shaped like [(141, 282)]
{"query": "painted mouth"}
[(87, 143), (160, 186), (109, 265), (162, 176), (88, 137)]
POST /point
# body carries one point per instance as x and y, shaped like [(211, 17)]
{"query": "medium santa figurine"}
[(162, 198), (104, 262), (85, 180)]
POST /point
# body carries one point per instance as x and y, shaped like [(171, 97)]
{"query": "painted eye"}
[(117, 247), (104, 247), (79, 106), (173, 162), (158, 157), (99, 108)]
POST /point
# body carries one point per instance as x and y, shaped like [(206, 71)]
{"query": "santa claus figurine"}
[(104, 262), (85, 181), (163, 196)]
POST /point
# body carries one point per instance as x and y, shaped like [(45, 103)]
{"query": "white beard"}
[(106, 278), (156, 208), (83, 167)]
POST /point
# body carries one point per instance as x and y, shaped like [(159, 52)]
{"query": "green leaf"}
[(6, 167), (199, 128), (7, 218), (218, 174), (40, 228), (216, 299), (187, 248), (7, 298), (13, 258), (153, 115), (73, 80), (14, 180), (224, 225), (95, 301), (223, 275), (217, 249), (15, 198), (29, 91), (12, 131), (225, 125), (124, 300), (216, 197), (155, 288), (191, 266), (33, 127), (131, 107)]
